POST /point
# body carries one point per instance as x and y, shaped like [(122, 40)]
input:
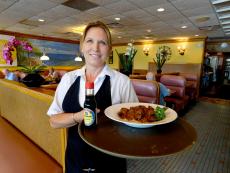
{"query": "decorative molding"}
[(17, 34)]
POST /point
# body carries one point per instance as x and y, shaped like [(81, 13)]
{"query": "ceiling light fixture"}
[(117, 18), (44, 57), (160, 9), (226, 26), (219, 1), (225, 22), (184, 26), (219, 10), (41, 20), (78, 59)]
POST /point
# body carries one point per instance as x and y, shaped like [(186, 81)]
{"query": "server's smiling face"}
[(95, 47)]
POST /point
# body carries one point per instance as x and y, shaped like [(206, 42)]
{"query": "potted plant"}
[(33, 77), (126, 59), (163, 54)]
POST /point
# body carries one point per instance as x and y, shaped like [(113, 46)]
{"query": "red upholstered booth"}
[(177, 84), (147, 91)]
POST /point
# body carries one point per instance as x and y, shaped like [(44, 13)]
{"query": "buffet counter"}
[(26, 109)]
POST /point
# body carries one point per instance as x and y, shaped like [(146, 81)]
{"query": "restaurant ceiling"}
[(139, 19)]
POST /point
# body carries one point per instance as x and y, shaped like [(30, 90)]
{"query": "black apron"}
[(80, 157)]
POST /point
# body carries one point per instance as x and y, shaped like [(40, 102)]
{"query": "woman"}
[(111, 87)]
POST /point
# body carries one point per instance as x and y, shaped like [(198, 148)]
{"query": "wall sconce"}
[(181, 50), (146, 51)]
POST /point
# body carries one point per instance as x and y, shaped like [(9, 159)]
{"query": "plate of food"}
[(140, 115)]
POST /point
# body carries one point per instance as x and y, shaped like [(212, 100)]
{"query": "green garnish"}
[(160, 113)]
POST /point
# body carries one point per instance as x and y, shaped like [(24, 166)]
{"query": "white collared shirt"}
[(122, 90)]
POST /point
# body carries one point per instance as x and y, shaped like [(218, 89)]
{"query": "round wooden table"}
[(120, 140)]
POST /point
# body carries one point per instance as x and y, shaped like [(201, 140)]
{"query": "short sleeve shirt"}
[(122, 90)]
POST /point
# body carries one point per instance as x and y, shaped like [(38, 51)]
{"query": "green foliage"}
[(160, 113), (32, 69), (163, 54), (126, 59)]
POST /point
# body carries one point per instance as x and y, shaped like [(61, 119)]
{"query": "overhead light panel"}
[(224, 9), (224, 16), (225, 22), (219, 2)]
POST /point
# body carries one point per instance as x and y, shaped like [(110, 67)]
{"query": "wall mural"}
[(60, 54)]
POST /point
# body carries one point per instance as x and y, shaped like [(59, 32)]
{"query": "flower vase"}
[(159, 71), (33, 80)]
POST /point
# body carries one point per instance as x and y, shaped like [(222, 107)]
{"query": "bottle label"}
[(89, 117)]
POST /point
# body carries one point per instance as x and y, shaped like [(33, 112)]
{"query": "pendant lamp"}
[(44, 57), (78, 58)]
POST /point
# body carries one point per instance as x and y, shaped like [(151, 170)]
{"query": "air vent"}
[(210, 28), (81, 5), (202, 19), (115, 25), (33, 23)]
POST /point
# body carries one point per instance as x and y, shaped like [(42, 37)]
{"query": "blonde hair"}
[(98, 24)]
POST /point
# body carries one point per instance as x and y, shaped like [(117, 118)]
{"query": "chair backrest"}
[(192, 79), (176, 83), (147, 91)]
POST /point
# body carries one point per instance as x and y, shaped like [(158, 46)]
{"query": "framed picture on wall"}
[(111, 58), (4, 39)]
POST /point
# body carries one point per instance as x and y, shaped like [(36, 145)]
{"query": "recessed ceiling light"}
[(117, 18), (184, 26), (160, 9), (119, 37), (196, 35), (148, 30), (41, 20)]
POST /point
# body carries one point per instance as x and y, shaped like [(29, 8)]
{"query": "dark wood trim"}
[(17, 34)]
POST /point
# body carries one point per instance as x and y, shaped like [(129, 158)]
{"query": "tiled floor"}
[(210, 154)]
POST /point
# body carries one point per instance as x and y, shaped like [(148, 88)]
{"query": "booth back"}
[(26, 109), (147, 91)]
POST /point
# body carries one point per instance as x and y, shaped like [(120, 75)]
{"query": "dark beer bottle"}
[(90, 105)]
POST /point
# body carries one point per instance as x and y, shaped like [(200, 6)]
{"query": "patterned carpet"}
[(210, 154)]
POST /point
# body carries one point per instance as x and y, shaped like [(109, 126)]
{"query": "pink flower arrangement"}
[(11, 46)]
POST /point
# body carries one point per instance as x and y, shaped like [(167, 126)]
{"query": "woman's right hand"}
[(64, 120)]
